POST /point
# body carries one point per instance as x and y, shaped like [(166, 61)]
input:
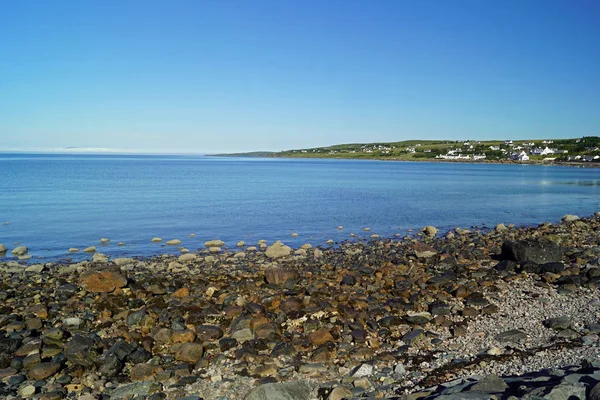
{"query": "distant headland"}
[(576, 151)]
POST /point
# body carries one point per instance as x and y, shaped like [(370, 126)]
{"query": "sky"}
[(214, 76)]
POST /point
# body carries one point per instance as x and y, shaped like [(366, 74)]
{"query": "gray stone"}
[(413, 337), (536, 250), (362, 370), (566, 391), (143, 388), (299, 390), (80, 351), (569, 218), (558, 323), (512, 336), (490, 384)]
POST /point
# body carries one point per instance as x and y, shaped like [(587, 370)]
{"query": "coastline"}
[(502, 162), (383, 318)]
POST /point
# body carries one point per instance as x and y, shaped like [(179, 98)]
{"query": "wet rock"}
[(500, 228), (102, 280), (214, 243), (19, 251), (173, 242), (90, 249)]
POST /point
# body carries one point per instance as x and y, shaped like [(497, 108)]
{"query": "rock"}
[(36, 268), (27, 391), (299, 390), (156, 240), (413, 337), (558, 323), (214, 249), (189, 352), (424, 251), (500, 228), (173, 242), (20, 251), (90, 249), (362, 371), (430, 231), (136, 389), (3, 248), (240, 243), (511, 336), (595, 392), (277, 274), (214, 243), (100, 258), (490, 384), (538, 251), (104, 240), (104, 280), (142, 372), (80, 351), (278, 250), (569, 218), (340, 393), (566, 391), (43, 370), (320, 336), (187, 257), (73, 250), (317, 253)]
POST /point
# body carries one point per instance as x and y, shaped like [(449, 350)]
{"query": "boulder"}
[(277, 274), (424, 251), (102, 280), (189, 352), (569, 218), (173, 242), (3, 248), (430, 231), (187, 257), (299, 390), (500, 228), (20, 251), (156, 240), (278, 250), (214, 243), (43, 370), (539, 251), (80, 351), (90, 249)]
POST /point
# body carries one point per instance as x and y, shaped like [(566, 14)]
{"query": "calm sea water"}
[(53, 202)]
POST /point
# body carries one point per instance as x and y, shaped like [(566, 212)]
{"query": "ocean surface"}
[(53, 202)]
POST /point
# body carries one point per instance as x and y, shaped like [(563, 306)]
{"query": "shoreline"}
[(503, 162), (381, 318)]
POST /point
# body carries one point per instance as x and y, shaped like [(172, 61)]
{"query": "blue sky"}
[(219, 75)]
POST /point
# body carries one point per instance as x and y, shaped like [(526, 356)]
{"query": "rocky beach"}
[(508, 313)]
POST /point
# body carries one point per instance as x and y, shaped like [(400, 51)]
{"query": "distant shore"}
[(418, 160)]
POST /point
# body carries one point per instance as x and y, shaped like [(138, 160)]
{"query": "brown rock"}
[(424, 251), (184, 336), (142, 372), (189, 352), (181, 293), (277, 274), (320, 336), (43, 370), (102, 280)]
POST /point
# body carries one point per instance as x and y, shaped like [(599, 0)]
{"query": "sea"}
[(53, 202)]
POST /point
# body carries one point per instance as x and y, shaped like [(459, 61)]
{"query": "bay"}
[(53, 202)]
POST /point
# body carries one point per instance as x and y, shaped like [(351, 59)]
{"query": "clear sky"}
[(225, 75)]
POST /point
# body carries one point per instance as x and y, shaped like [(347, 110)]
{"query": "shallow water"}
[(53, 202)]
